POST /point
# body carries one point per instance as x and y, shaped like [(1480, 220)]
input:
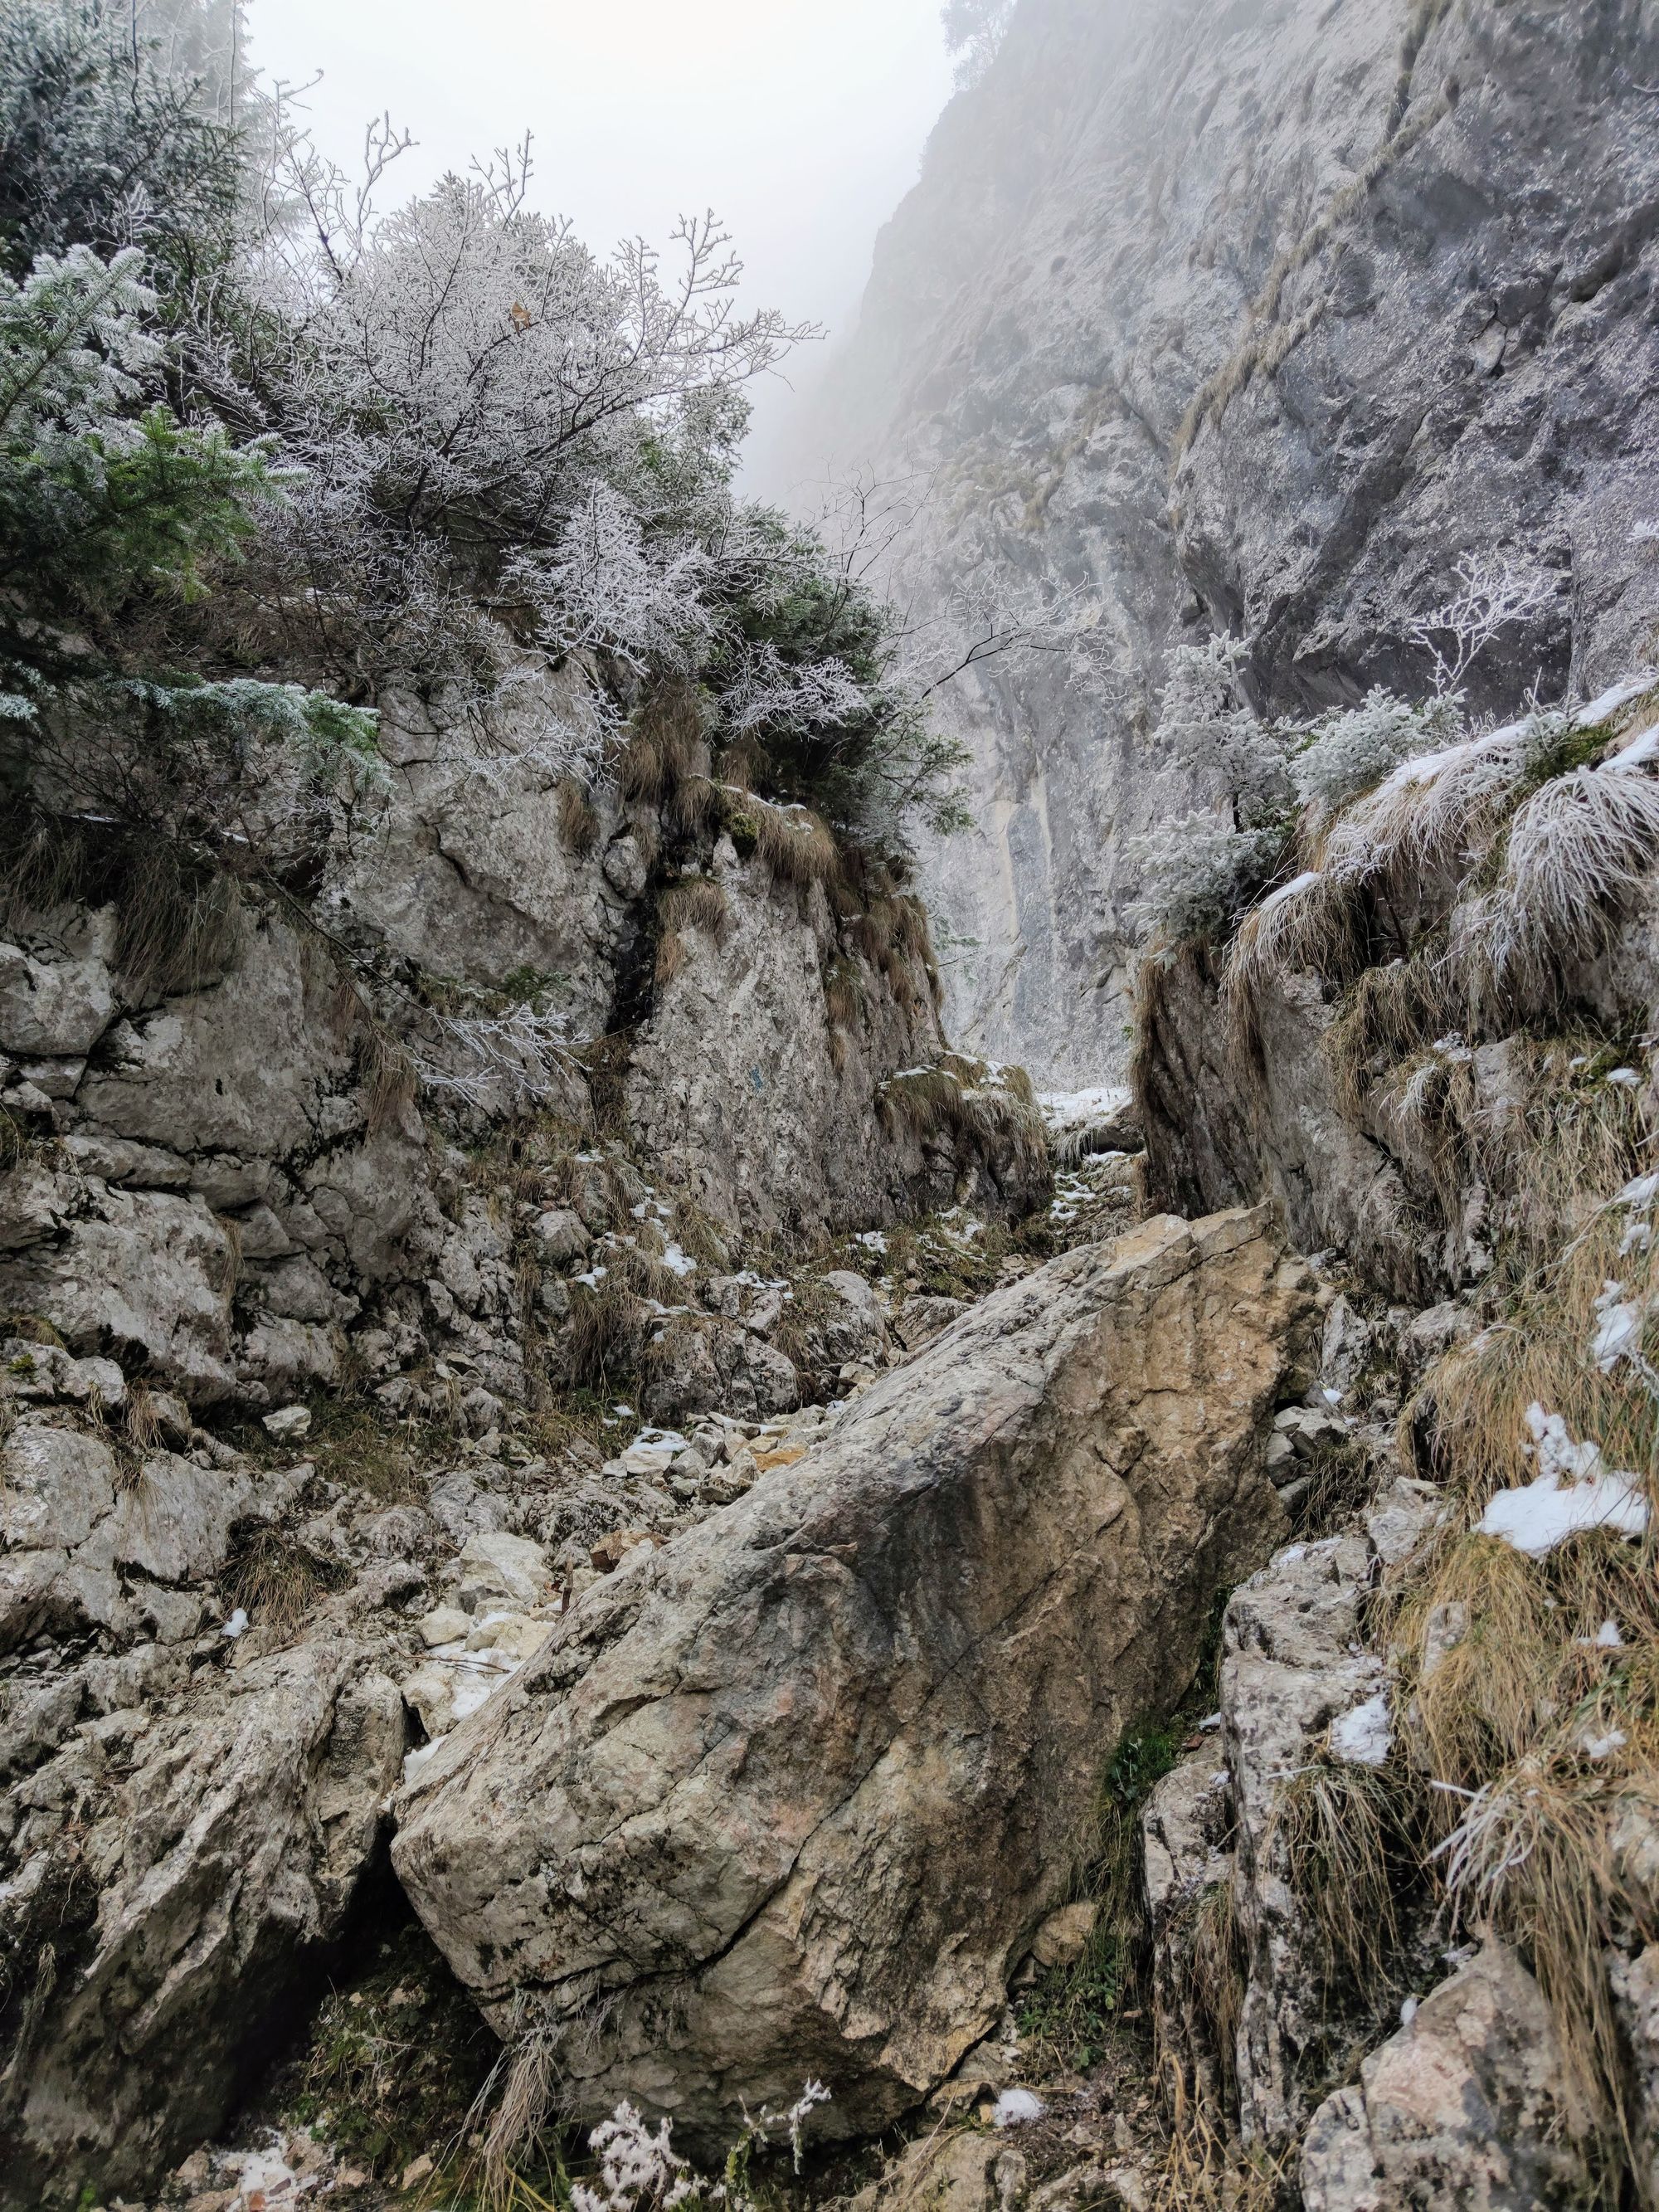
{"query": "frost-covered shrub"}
[(1208, 724), (1348, 752), (1197, 873)]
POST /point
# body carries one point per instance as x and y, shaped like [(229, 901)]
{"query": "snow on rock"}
[(1620, 695), (1363, 1737), (1294, 888), (1573, 1491)]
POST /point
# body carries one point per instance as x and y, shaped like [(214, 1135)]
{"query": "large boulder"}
[(789, 1797)]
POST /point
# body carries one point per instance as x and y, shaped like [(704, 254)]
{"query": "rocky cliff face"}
[(1258, 318), (225, 1173)]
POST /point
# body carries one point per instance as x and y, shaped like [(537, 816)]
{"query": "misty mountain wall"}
[(1255, 314)]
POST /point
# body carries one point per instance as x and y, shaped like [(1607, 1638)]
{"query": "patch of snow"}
[(1611, 700), (1641, 752), (235, 1624), (592, 1278), (1015, 2107), (1362, 1738), (415, 1759), (1425, 768), (1603, 1746), (1573, 1491), (1294, 888), (678, 1263), (1075, 1109), (1407, 2011), (1627, 1078), (872, 1239), (1620, 1324)]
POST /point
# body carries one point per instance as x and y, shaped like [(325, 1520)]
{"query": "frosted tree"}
[(1196, 872), (973, 29)]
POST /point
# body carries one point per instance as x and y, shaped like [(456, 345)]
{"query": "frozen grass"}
[(1539, 1729)]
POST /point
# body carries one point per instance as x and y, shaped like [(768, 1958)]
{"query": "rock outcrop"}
[(1258, 319), (188, 1835), (1470, 2103), (789, 1797), (1381, 1091), (228, 1178), (1225, 1910)]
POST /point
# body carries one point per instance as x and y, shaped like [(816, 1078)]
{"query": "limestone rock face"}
[(791, 1796), (182, 1856), (1467, 2105), (1257, 318), (233, 1188)]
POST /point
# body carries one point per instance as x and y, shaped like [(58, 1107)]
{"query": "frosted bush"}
[(640, 2170), (1196, 873), (1207, 723), (1347, 753)]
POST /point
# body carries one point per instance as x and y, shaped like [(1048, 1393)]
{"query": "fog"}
[(801, 124)]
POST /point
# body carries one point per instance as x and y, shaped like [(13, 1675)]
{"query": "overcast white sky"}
[(800, 122)]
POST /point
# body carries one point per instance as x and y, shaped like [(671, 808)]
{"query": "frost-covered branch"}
[(1490, 598)]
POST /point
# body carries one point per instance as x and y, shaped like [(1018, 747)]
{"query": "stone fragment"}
[(1064, 1935), (921, 1319), (220, 1864), (445, 1623), (497, 1566), (1469, 2104), (289, 1424)]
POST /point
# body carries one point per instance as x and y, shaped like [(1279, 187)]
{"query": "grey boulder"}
[(790, 1796)]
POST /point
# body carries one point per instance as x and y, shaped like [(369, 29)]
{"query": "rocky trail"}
[(780, 1432)]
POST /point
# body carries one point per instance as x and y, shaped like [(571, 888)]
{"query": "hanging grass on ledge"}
[(967, 1099)]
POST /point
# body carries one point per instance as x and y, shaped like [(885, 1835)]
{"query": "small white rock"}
[(287, 1424)]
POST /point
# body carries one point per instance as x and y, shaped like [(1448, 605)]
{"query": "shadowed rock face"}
[(789, 1797), (1401, 259)]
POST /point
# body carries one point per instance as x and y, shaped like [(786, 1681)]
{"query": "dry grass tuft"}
[(578, 818), (1342, 1833), (603, 1331), (966, 1099), (278, 1583), (667, 745), (795, 845), (1391, 1014), (1531, 1686), (1311, 925), (1578, 850)]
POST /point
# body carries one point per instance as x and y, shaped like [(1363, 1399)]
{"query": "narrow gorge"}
[(831, 1368)]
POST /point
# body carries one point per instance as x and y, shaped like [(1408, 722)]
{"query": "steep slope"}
[(1261, 317)]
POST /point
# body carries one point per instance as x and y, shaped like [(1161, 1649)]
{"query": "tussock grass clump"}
[(795, 845), (1578, 849), (603, 1331), (1346, 1839), (694, 903), (278, 1583), (1313, 923), (578, 818), (966, 1099), (666, 744), (1390, 1014)]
